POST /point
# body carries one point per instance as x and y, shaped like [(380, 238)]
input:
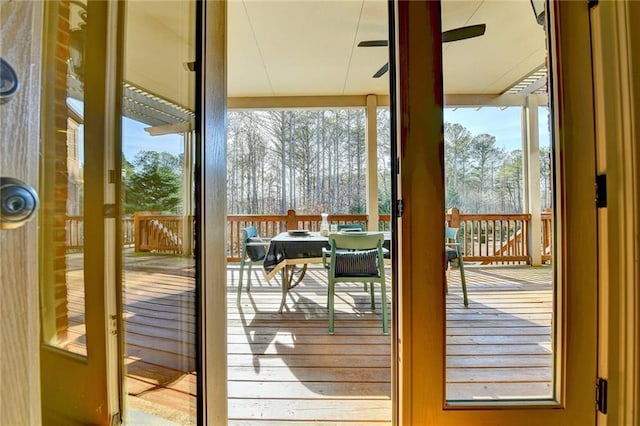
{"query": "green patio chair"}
[(350, 227), (357, 258), (253, 251), (453, 250), (342, 227)]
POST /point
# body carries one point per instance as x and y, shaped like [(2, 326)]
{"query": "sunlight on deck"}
[(286, 368)]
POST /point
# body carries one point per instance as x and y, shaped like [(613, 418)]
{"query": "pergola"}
[(305, 54)]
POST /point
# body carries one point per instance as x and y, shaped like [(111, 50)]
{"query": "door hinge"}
[(113, 324), (592, 3), (116, 419), (601, 395), (601, 191), (109, 211), (399, 208)]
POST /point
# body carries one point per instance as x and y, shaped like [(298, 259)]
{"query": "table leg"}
[(285, 289), (296, 274)]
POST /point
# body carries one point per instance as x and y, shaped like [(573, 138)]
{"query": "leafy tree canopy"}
[(153, 183)]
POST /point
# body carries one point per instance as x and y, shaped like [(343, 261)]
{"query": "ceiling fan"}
[(456, 34)]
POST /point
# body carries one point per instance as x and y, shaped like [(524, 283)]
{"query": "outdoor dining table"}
[(290, 253)]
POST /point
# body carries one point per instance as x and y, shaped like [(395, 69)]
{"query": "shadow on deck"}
[(286, 368)]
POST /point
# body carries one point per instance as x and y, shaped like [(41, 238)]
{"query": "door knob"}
[(8, 82), (18, 202)]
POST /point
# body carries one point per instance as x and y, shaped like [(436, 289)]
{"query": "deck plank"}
[(285, 369)]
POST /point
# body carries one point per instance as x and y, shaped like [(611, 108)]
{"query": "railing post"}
[(292, 220), (455, 218), (136, 232)]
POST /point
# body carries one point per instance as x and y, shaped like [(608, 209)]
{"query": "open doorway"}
[(308, 136)]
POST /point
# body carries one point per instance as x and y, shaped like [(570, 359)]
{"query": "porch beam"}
[(283, 102), (372, 163), (359, 101), (485, 100)]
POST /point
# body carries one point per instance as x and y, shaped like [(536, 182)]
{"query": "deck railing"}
[(500, 238), (75, 232), (271, 225), (158, 233), (494, 238), (486, 238), (547, 236)]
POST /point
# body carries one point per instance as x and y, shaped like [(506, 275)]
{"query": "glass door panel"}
[(79, 341), (158, 279), (501, 298), (63, 182)]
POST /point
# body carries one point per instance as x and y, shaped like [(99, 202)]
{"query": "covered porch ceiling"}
[(279, 52)]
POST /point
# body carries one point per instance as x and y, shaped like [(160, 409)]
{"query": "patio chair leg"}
[(331, 307), (249, 278), (383, 298), (373, 297), (327, 299), (464, 283), (240, 283), (446, 278)]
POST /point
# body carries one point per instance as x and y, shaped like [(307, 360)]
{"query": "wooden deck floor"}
[(286, 369)]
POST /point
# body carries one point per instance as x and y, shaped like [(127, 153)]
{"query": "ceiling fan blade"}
[(381, 71), (463, 33), (455, 34), (373, 43)]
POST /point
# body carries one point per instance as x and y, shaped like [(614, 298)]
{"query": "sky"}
[(136, 140), (504, 124)]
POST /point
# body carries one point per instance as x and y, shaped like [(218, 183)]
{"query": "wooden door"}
[(56, 341), (19, 118), (422, 361), (67, 357), (61, 343)]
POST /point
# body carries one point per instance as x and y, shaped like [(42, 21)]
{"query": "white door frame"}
[(616, 51)]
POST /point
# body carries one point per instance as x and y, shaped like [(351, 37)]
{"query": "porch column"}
[(372, 162), (532, 153), (187, 194), (524, 129)]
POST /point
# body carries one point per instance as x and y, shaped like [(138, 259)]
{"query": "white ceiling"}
[(287, 48), (282, 48), (309, 47)]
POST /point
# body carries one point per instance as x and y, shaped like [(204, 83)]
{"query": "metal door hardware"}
[(8, 82), (18, 203)]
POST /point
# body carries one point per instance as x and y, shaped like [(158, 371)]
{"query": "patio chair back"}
[(357, 258)]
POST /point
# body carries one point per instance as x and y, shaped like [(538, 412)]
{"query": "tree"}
[(311, 161), (457, 140), (154, 183), (509, 183), (384, 161), (545, 177), (483, 154), (305, 135)]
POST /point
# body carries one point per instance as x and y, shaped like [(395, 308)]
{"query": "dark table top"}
[(285, 246)]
